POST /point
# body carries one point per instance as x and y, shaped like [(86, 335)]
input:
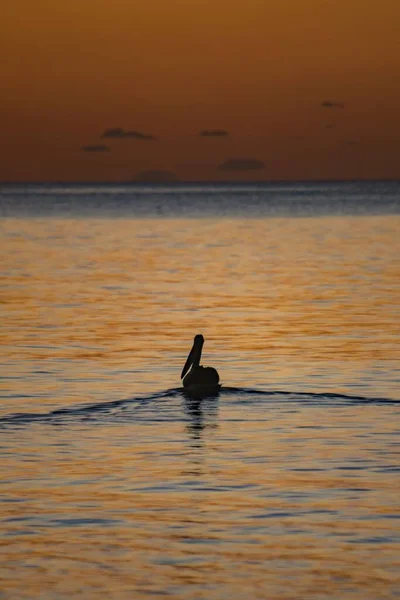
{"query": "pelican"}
[(196, 377)]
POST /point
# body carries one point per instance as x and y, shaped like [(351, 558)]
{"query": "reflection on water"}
[(302, 304), (114, 484), (201, 414)]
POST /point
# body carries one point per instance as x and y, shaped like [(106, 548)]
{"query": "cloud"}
[(156, 176), (329, 126), (95, 148), (241, 164), (214, 133), (332, 104), (119, 133)]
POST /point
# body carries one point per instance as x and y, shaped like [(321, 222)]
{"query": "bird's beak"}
[(188, 364), (194, 356)]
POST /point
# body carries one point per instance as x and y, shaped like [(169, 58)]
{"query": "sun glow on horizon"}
[(308, 90)]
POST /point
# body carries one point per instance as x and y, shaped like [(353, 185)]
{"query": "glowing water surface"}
[(114, 485)]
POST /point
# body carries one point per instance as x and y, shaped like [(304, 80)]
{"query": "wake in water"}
[(235, 395)]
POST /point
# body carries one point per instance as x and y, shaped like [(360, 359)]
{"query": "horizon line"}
[(194, 181)]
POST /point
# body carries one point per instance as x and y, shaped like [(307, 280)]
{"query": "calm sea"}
[(114, 485)]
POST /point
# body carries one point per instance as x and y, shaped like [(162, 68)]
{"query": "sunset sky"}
[(205, 89)]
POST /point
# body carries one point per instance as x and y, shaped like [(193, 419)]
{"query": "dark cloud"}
[(351, 142), (95, 148), (119, 133), (214, 133), (156, 176), (329, 126), (332, 104), (241, 164)]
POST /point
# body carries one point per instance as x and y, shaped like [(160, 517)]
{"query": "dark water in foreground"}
[(113, 484)]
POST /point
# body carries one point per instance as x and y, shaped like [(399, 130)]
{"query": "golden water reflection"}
[(307, 303), (268, 500), (274, 496)]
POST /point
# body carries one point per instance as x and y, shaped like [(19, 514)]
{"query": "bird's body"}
[(195, 376), (201, 376)]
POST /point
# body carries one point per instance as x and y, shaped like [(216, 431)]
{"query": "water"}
[(113, 484)]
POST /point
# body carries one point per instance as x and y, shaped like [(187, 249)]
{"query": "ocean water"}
[(113, 483)]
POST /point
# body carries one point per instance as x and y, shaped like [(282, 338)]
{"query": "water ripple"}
[(230, 394)]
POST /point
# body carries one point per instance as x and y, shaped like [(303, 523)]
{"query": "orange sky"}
[(259, 69)]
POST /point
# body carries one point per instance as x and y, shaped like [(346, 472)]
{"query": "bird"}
[(195, 376)]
